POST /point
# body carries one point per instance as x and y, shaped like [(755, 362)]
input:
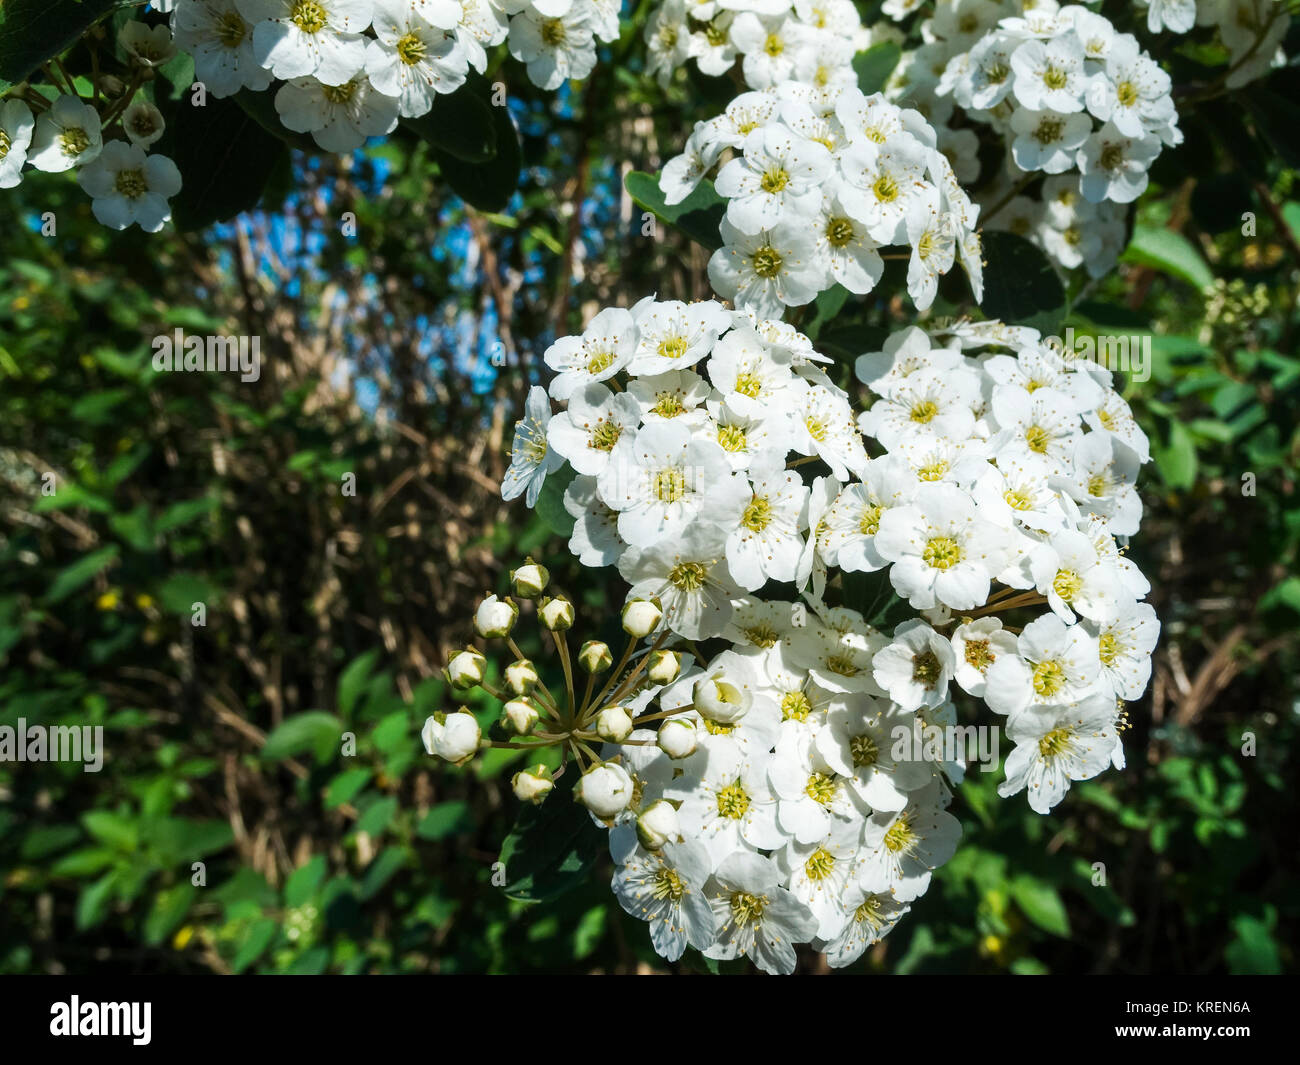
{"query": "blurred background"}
[(400, 353)]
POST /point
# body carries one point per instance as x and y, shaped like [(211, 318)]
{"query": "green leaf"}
[(93, 902), (169, 909), (179, 592), (1177, 460), (353, 680), (1041, 903), (1020, 286), (345, 787), (874, 66), (1253, 949), (305, 881), (488, 185), (377, 816), (33, 31), (80, 572), (445, 819), (113, 829), (225, 158), (1170, 252), (255, 943), (460, 124), (381, 871), (697, 216), (550, 503), (312, 730), (551, 847)]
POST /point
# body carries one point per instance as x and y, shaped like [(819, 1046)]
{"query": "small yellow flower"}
[(182, 937), (144, 602), (107, 601)]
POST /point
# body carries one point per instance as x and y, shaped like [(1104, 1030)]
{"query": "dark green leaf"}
[(550, 503), (1041, 903), (874, 66), (1020, 286), (460, 124), (551, 847), (1171, 252), (81, 571), (33, 31), (489, 185), (312, 730), (697, 216)]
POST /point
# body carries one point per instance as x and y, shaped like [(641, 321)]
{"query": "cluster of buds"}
[(592, 723)]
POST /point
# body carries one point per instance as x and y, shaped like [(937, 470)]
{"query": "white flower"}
[(678, 738), (777, 178), (849, 255), (767, 272), (1133, 93), (1114, 166), (665, 887), (555, 48), (819, 871), (668, 40), (150, 46), (1124, 647), (455, 738), (881, 182), (849, 527), (295, 38), (495, 617), (725, 799), (339, 117), (129, 187), (466, 669), (916, 667), (142, 123), (595, 540), (766, 543), (682, 173), (66, 135), (675, 335), (725, 691), (220, 39), (1054, 663), (755, 916), (605, 347), (596, 420), (1049, 75), (810, 794), (530, 457), (976, 646), (1178, 16), (904, 848), (859, 743), (690, 579), (1056, 745), (16, 127), (942, 551), (870, 916), (413, 58), (1071, 573), (1047, 140)]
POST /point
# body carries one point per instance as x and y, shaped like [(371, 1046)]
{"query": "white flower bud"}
[(556, 614), (717, 699), (605, 790), (495, 618), (455, 738), (677, 737), (595, 656), (533, 785), (657, 825), (613, 724), (521, 677), (521, 716), (665, 667), (466, 669), (530, 580), (641, 617)]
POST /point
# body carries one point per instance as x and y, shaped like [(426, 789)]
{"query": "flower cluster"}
[(818, 181), (1251, 30), (1070, 97), (795, 788), (812, 41), (108, 147), (351, 68)]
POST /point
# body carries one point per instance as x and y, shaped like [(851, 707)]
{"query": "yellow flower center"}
[(1127, 93), (131, 184), (668, 885), (74, 140), (309, 16), (688, 576), (762, 635), (339, 94), (774, 180), (1055, 78), (605, 436), (673, 347), (1108, 648), (795, 706), (767, 262), (732, 438), (819, 864), (979, 655), (733, 801), (839, 231), (749, 384), (869, 523), (747, 908), (1049, 678), (863, 750), (553, 32), (1067, 584), (669, 485), (600, 362), (1037, 438), (1054, 743), (941, 552), (925, 411), (668, 405), (900, 838), (821, 788), (926, 669), (758, 515), (885, 188), (231, 29)]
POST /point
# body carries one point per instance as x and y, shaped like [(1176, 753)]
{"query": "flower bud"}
[(556, 614), (595, 656), (613, 724), (657, 825), (455, 738), (521, 716), (664, 667), (533, 785), (677, 737), (641, 617), (495, 618), (605, 790), (530, 580), (521, 677), (717, 699), (466, 669)]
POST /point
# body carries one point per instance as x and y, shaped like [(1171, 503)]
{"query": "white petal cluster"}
[(817, 181), (1070, 98), (1251, 30), (1004, 483), (772, 41)]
